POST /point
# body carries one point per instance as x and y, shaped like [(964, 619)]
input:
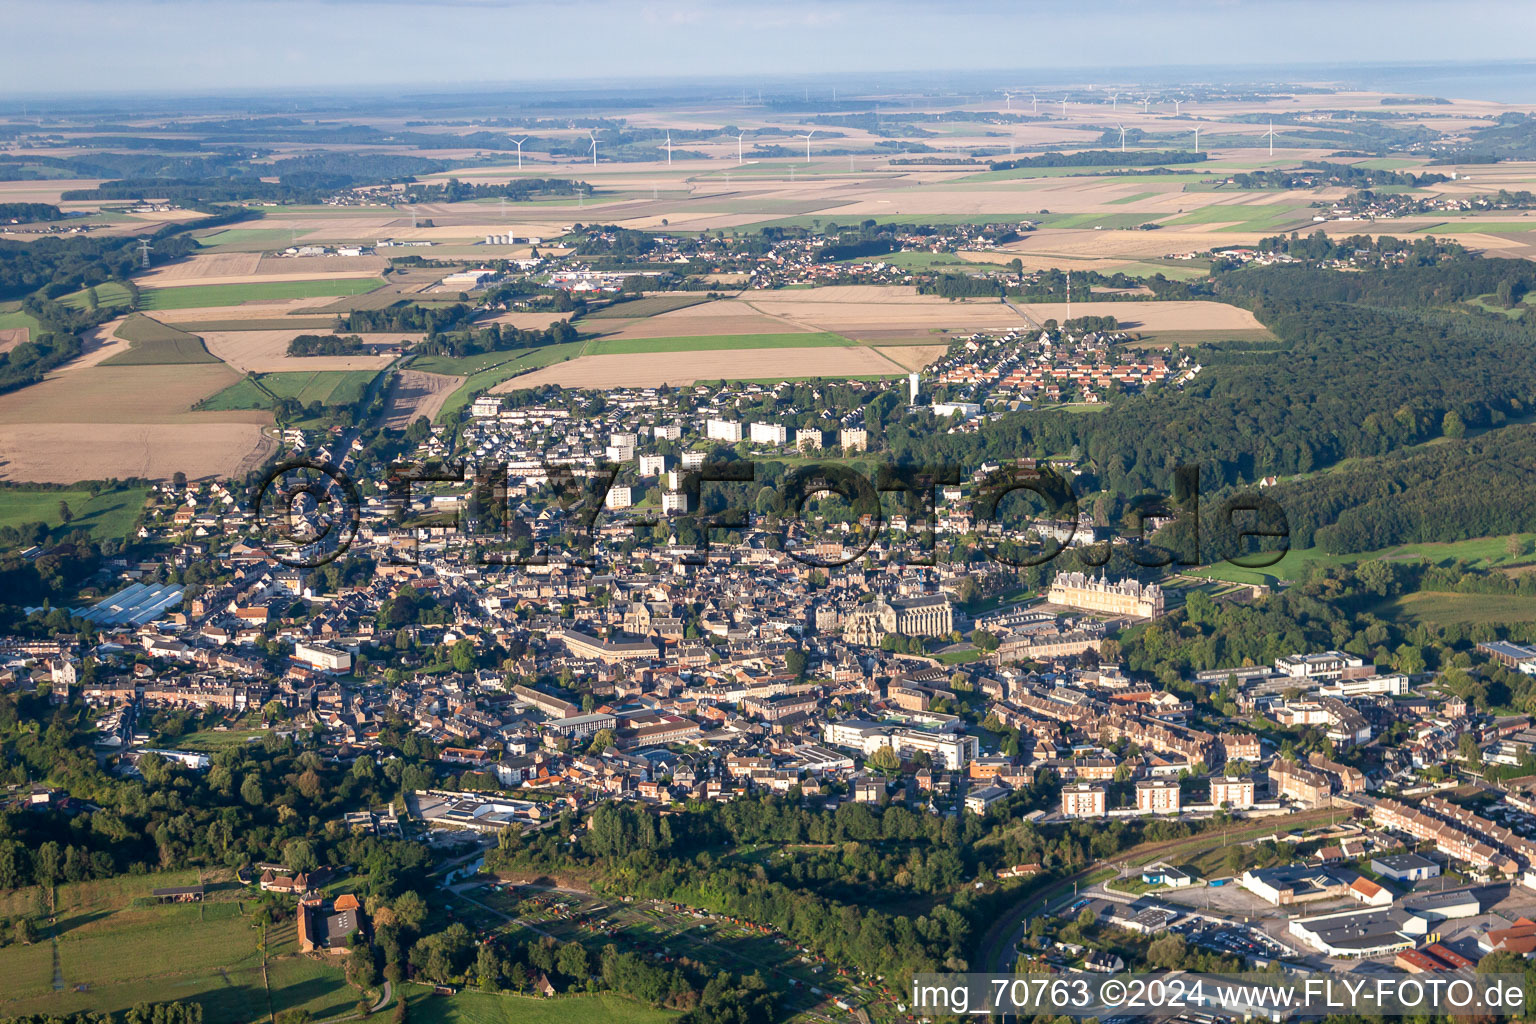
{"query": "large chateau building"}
[(903, 616), (1126, 597)]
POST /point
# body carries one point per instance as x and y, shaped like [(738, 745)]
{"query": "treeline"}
[(298, 179), (1102, 158), (23, 212), (139, 1013), (28, 362), (495, 338), (1313, 173), (327, 345), (408, 316), (1079, 324), (1428, 251), (854, 249), (961, 286), (456, 191), (56, 265), (1427, 279), (614, 241)]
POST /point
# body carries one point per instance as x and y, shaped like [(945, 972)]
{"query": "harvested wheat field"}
[(649, 369), (731, 316), (913, 357), (10, 337), (257, 309), (1154, 316), (154, 393), (416, 394), (96, 345), (879, 313), (86, 421), (1123, 244), (63, 453), (267, 351), (304, 268), (207, 268), (526, 321)]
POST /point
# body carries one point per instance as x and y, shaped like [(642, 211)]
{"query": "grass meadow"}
[(199, 295), (110, 514)]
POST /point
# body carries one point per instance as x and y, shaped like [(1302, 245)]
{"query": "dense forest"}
[(21, 213), (327, 345)]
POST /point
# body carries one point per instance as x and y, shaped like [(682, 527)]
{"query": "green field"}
[(117, 948), (1487, 227), (1090, 221), (1135, 197), (1183, 270), (328, 387), (1444, 609), (197, 295), (247, 239), (512, 364), (650, 305), (154, 343), (1479, 553), (930, 260), (1252, 216), (110, 514), (12, 316), (109, 293), (470, 1007), (210, 741), (712, 343)]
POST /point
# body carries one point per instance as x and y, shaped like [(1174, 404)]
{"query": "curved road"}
[(995, 949)]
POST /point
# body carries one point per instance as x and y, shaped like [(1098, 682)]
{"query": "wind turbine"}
[(594, 148), (1063, 106), (1114, 102), (1271, 138), (1008, 98), (1145, 101), (1197, 138), (739, 136), (519, 144), (1176, 107), (807, 138), (1122, 137), (669, 148), (1034, 102)]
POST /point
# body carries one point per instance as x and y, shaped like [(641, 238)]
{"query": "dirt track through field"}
[(416, 394)]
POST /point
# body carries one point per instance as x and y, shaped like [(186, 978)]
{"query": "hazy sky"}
[(203, 45)]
